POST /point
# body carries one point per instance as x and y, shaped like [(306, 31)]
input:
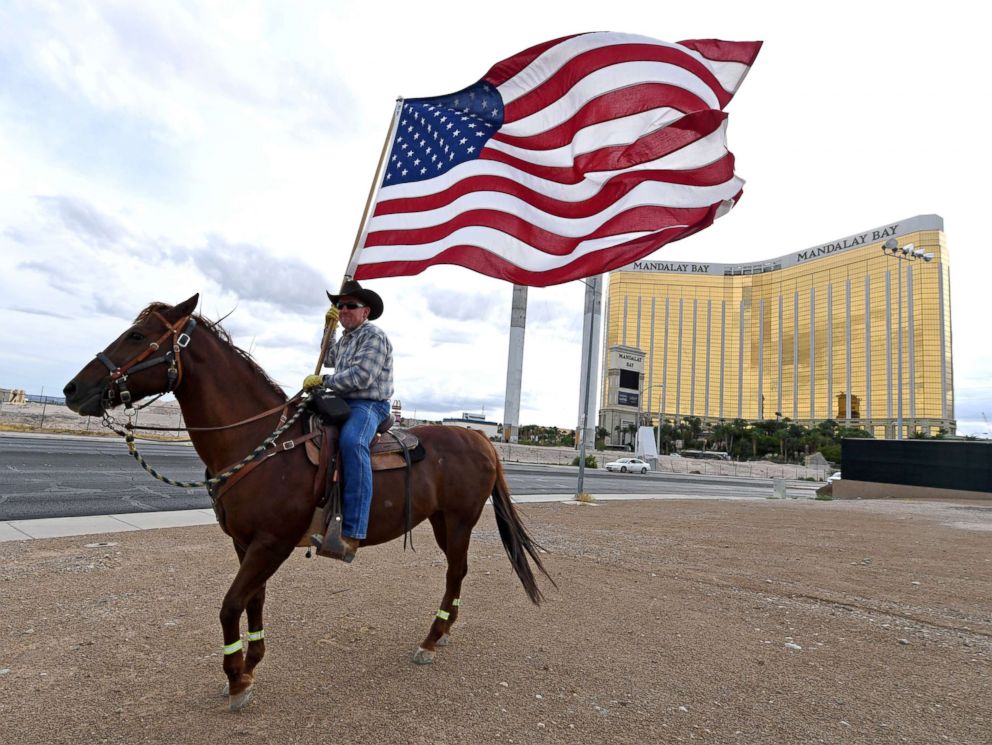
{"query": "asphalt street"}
[(52, 476)]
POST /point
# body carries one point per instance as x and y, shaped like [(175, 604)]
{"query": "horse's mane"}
[(221, 333)]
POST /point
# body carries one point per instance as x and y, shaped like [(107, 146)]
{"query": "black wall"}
[(943, 464)]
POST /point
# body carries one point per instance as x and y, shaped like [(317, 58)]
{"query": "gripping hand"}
[(331, 316), (312, 381)]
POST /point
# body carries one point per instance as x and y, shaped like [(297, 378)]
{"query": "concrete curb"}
[(59, 527)]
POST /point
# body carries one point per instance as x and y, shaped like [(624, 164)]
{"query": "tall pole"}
[(515, 365), (661, 404), (899, 361), (903, 253), (586, 387)]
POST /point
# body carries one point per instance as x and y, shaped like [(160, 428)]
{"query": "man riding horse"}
[(363, 376)]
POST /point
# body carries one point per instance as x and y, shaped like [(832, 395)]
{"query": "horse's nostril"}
[(69, 389)]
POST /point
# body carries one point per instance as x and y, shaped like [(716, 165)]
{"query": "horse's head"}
[(143, 361)]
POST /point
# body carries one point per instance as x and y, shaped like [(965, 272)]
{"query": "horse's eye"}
[(136, 336)]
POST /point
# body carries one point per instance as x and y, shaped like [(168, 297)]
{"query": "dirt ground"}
[(716, 621)]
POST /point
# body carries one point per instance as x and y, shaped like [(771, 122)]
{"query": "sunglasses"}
[(349, 306)]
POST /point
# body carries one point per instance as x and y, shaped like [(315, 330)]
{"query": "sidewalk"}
[(58, 527)]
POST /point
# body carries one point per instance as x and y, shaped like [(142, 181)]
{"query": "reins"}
[(214, 481), (151, 428)]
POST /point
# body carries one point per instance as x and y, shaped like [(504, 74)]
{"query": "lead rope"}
[(214, 480)]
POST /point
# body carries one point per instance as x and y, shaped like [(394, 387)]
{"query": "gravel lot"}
[(763, 621)]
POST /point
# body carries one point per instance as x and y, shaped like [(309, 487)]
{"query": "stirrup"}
[(330, 544)]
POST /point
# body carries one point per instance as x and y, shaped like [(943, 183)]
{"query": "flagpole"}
[(363, 227)]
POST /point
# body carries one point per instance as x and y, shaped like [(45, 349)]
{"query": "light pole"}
[(904, 253)]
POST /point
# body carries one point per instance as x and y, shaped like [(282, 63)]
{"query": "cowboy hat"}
[(351, 288)]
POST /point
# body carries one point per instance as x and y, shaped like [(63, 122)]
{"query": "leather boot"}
[(334, 545)]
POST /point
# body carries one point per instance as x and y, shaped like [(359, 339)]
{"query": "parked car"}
[(634, 465)]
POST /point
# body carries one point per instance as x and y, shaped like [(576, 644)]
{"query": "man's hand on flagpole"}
[(331, 316), (311, 382)]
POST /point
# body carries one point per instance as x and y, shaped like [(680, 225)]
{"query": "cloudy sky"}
[(152, 150)]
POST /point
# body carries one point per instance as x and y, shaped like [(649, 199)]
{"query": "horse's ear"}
[(186, 307)]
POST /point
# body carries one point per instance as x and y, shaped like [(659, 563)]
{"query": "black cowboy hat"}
[(351, 288)]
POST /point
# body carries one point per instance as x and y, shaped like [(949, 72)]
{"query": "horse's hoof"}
[(241, 700), (443, 641), (423, 656)]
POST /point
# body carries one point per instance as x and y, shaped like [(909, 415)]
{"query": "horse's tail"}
[(516, 541)]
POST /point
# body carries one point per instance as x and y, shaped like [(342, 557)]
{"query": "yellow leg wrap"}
[(443, 615), (232, 648), (456, 602), (256, 636)]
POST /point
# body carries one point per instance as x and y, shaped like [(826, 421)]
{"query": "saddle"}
[(387, 447), (390, 449)]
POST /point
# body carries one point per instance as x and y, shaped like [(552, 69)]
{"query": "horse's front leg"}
[(258, 563), (256, 632)]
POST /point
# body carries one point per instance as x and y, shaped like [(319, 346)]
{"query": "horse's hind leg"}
[(258, 563), (453, 538)]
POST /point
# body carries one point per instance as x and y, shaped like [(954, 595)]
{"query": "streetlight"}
[(892, 249)]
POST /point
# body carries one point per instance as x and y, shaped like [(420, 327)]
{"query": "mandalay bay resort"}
[(857, 330)]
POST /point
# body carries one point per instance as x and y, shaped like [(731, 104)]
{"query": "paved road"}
[(50, 476)]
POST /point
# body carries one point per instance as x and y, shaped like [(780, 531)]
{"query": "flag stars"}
[(447, 129)]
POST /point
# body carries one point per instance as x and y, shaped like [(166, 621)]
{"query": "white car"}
[(634, 465)]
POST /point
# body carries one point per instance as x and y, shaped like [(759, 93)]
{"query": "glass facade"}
[(843, 331)]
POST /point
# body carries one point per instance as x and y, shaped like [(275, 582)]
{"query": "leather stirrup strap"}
[(407, 496)]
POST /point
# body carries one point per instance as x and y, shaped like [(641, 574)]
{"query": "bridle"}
[(174, 374), (173, 358)]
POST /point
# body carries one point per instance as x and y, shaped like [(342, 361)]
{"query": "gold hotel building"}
[(847, 330)]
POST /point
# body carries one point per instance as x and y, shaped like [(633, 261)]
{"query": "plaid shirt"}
[(363, 364)]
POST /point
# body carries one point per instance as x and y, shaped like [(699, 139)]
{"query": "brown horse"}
[(268, 512)]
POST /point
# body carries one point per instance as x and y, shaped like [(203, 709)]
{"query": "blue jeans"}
[(356, 435)]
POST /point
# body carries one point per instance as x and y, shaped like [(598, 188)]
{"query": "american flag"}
[(568, 159)]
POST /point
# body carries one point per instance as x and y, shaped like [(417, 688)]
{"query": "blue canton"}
[(436, 134)]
